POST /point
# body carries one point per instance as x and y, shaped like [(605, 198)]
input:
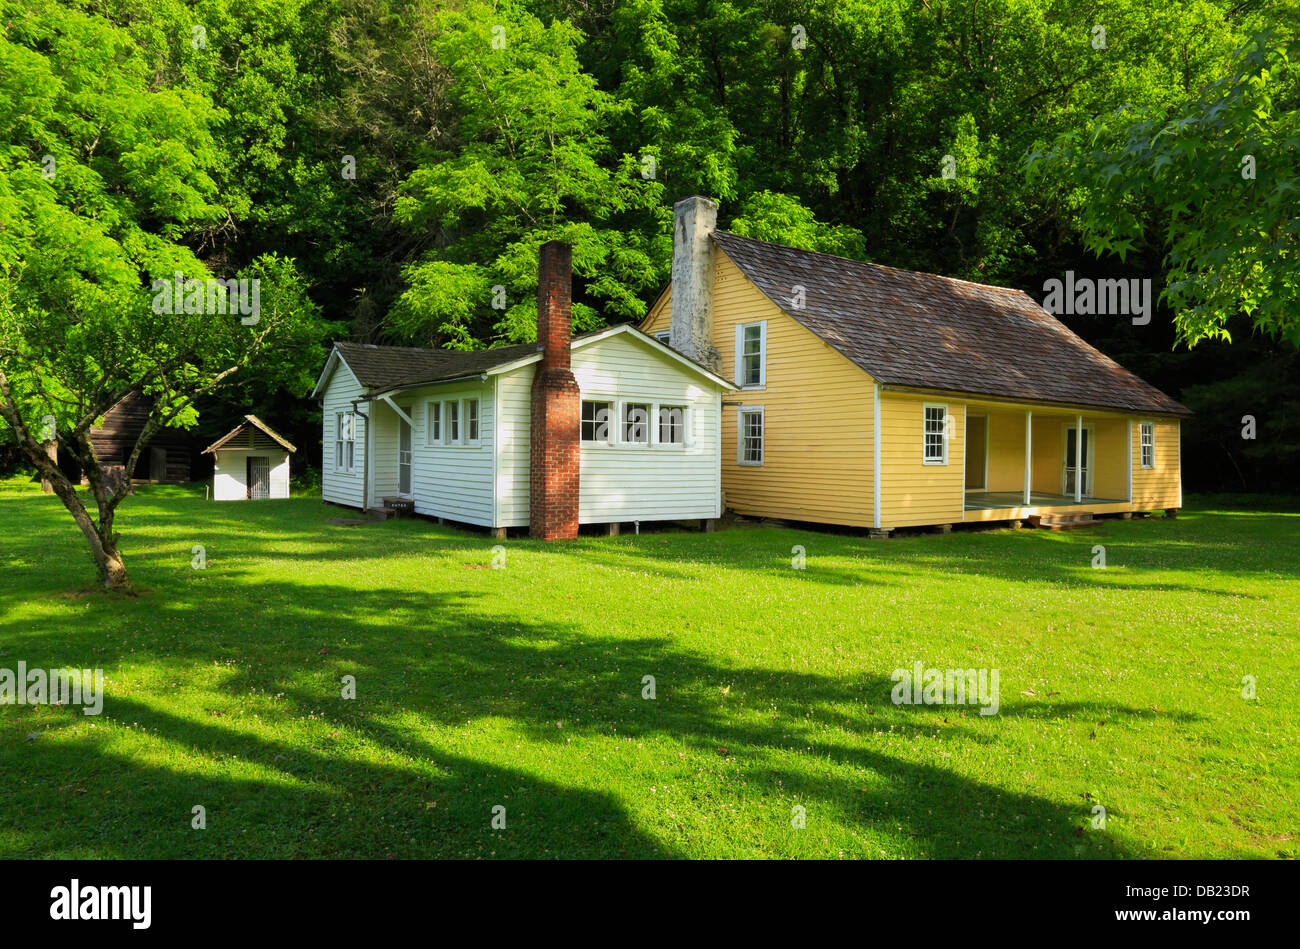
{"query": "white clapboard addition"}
[(469, 444)]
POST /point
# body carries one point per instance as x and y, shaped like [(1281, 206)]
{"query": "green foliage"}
[(781, 219), (107, 183), (530, 163), (1215, 181), (409, 167)]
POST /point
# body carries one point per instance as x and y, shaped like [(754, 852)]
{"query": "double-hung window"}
[(433, 431), (1148, 444), (936, 434), (636, 423), (596, 417), (453, 422), (751, 355), (345, 441), (471, 421), (672, 425), (750, 431)]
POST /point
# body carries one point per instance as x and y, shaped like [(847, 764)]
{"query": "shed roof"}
[(924, 331)]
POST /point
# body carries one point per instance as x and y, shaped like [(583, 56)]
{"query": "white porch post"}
[(1029, 452), (1078, 459), (1128, 464)]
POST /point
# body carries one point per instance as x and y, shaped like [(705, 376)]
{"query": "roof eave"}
[(1182, 410)]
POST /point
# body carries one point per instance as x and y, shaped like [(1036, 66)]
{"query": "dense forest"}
[(388, 170)]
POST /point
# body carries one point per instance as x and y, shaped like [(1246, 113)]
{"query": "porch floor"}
[(990, 500)]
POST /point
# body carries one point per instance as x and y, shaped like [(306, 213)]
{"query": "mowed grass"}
[(523, 687)]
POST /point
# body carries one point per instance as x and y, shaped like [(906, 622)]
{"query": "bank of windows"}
[(635, 424), (345, 442), (452, 423), (1148, 443)]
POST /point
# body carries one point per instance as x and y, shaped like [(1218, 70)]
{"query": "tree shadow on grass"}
[(794, 737), (448, 659)]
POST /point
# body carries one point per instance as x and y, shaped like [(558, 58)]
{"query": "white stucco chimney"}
[(691, 329)]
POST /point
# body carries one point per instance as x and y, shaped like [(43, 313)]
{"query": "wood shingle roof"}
[(929, 332), (391, 367)]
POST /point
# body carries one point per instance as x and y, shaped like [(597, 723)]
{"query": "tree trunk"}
[(102, 540), (51, 452), (42, 454), (112, 572)]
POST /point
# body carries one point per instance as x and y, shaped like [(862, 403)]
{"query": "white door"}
[(403, 456), (1069, 469)]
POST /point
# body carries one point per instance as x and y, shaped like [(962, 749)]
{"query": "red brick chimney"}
[(554, 445)]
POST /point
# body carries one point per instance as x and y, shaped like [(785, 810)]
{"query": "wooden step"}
[(400, 507), (1062, 522)]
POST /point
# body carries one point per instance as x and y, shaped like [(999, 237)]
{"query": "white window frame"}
[(613, 422), (624, 406), (1146, 439), (741, 412), (943, 432), (658, 409), (433, 423), (451, 423), (345, 442), (467, 439), (762, 355), (664, 336)]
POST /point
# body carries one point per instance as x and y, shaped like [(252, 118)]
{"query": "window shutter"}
[(762, 355)]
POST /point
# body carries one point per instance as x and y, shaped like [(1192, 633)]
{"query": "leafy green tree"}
[(1214, 180), (103, 176), (530, 162)]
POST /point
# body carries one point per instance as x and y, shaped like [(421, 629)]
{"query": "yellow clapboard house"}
[(884, 398)]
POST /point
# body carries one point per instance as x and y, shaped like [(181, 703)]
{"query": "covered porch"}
[(998, 500), (1040, 461)]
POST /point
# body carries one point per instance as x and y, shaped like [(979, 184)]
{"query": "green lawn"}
[(522, 687)]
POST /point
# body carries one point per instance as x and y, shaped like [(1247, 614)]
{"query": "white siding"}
[(230, 473), (229, 476), (447, 480), (514, 390), (621, 482), (280, 476), (342, 487), (383, 452)]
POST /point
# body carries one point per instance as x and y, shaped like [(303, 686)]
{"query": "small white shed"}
[(251, 463)]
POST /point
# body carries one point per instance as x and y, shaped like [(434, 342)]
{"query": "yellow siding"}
[(1047, 453), (1157, 487), (1110, 477), (1006, 451), (912, 492), (818, 413)]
